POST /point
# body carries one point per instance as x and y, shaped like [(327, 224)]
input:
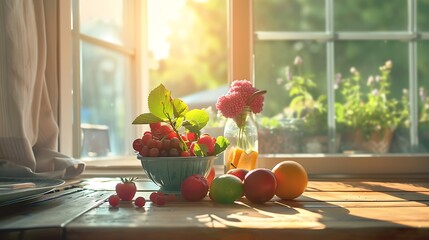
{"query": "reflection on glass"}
[(370, 15), (103, 19), (289, 15), (294, 119), (106, 100)]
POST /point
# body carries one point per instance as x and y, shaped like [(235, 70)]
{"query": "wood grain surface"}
[(348, 209)]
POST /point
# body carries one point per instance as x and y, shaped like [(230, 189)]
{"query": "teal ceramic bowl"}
[(169, 172)]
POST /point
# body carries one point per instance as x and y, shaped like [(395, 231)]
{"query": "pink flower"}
[(230, 105), (240, 95), (242, 86), (257, 104)]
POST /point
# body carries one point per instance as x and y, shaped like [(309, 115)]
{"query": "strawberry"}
[(126, 189)]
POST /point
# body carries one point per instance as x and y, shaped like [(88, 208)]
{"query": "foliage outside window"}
[(331, 42)]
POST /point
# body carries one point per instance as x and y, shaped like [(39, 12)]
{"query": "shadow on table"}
[(308, 218), (409, 192)]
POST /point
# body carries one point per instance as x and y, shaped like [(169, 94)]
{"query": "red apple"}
[(259, 185), (239, 172), (211, 175), (194, 187)]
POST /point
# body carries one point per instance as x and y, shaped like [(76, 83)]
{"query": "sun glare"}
[(160, 13)]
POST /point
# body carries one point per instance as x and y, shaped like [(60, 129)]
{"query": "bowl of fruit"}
[(174, 148)]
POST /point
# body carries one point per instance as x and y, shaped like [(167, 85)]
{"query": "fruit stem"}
[(232, 164), (184, 146)]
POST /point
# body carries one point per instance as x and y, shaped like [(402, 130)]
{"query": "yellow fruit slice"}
[(233, 157), (229, 159), (247, 160), (236, 156)]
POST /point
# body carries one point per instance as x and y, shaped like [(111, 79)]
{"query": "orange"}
[(291, 179)]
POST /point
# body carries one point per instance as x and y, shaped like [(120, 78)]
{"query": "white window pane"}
[(106, 101)]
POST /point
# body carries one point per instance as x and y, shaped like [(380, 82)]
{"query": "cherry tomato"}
[(114, 200)]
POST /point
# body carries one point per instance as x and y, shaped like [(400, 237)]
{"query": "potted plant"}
[(310, 109), (278, 134), (368, 114), (423, 121), (401, 141)]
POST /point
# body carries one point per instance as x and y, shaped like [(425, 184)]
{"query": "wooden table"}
[(348, 209)]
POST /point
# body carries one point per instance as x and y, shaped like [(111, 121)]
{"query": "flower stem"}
[(254, 95)]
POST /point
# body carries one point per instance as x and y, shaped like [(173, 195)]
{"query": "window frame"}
[(358, 165), (133, 49), (240, 16)]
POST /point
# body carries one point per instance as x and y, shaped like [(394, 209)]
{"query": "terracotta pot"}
[(377, 143)]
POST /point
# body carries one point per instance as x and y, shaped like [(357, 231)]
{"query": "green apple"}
[(226, 189)]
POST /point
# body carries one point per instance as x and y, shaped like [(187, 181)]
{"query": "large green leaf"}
[(160, 103), (146, 118), (197, 118), (179, 108)]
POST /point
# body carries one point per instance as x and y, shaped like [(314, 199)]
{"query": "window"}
[(104, 55), (128, 50), (331, 39), (182, 46)]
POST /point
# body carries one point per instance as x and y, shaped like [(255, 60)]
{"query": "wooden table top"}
[(348, 209)]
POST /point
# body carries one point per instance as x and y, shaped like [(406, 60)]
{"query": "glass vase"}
[(242, 133)]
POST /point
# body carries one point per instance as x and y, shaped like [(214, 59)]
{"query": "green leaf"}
[(179, 108), (221, 144), (200, 150), (178, 122), (197, 118), (146, 118), (160, 103), (190, 126)]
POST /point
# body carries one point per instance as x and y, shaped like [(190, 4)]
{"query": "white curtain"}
[(29, 88)]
